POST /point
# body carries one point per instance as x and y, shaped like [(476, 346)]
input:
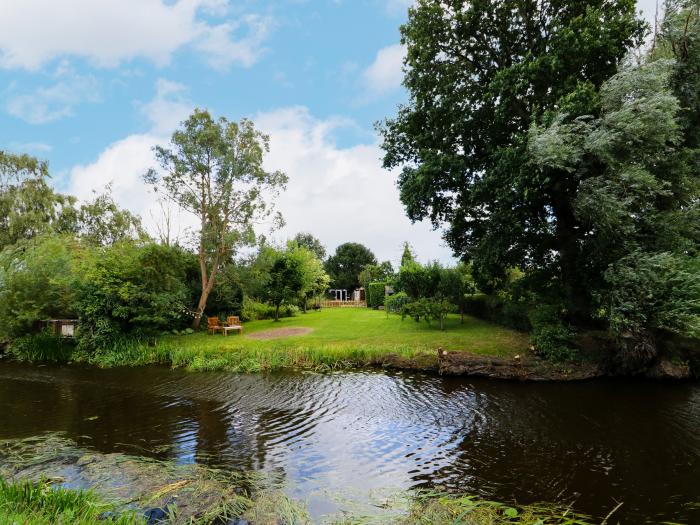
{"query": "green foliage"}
[(428, 309), (102, 222), (375, 293), (286, 281), (395, 303), (29, 207), (500, 310), (214, 170), (314, 278), (38, 503), (36, 282), (407, 257), (376, 272), (130, 289), (551, 338), (43, 347), (478, 76), (308, 241), (658, 291), (345, 266), (255, 311)]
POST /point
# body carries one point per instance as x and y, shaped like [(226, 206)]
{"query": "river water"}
[(340, 438)]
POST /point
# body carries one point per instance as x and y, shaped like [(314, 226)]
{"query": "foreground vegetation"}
[(339, 338), (38, 503)]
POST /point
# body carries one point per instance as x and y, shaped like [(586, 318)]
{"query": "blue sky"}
[(92, 85)]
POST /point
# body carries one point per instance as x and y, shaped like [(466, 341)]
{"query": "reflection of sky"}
[(342, 440)]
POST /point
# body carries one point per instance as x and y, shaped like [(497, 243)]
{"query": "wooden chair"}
[(233, 322), (214, 325)]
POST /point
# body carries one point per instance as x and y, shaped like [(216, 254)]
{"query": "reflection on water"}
[(595, 443)]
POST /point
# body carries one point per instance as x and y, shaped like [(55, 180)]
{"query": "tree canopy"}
[(345, 265), (478, 75)]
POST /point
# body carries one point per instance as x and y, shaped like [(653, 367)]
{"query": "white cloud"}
[(218, 44), (168, 108), (123, 163), (30, 147), (53, 102), (338, 194), (109, 32), (385, 73)]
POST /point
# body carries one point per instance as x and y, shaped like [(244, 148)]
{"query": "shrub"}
[(130, 289), (255, 311), (43, 347), (375, 294), (395, 303), (551, 337)]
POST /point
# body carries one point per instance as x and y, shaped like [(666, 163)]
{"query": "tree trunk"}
[(568, 248), (207, 286), (277, 312)]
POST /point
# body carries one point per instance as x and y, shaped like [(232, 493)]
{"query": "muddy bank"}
[(526, 368), (533, 368)]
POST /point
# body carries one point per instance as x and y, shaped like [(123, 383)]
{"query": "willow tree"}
[(214, 170)]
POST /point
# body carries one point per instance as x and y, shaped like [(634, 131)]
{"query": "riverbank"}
[(351, 338), (49, 479)]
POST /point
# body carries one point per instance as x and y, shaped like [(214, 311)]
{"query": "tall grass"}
[(31, 503), (43, 347), (252, 358)]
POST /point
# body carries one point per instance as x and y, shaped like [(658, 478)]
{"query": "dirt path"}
[(277, 333)]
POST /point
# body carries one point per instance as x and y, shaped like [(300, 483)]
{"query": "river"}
[(338, 438)]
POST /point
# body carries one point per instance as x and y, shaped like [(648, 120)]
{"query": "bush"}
[(499, 310), (551, 337), (130, 289), (255, 311), (43, 347), (395, 303), (375, 294)]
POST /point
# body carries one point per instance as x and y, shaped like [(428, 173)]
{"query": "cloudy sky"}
[(93, 85)]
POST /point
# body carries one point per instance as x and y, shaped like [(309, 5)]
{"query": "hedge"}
[(375, 294)]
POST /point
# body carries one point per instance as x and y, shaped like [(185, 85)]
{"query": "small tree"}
[(286, 280), (315, 280), (214, 170)]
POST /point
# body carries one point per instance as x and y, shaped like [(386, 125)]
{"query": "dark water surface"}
[(351, 433)]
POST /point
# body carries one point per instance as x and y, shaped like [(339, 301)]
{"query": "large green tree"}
[(346, 264), (479, 73), (29, 206), (214, 170)]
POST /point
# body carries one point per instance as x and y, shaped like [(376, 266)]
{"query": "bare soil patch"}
[(277, 333)]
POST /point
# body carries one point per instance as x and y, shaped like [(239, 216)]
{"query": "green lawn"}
[(340, 338), (339, 327)]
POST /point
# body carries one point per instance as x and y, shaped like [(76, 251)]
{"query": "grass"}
[(38, 503), (341, 338)]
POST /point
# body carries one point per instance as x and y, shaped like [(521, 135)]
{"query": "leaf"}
[(510, 512)]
